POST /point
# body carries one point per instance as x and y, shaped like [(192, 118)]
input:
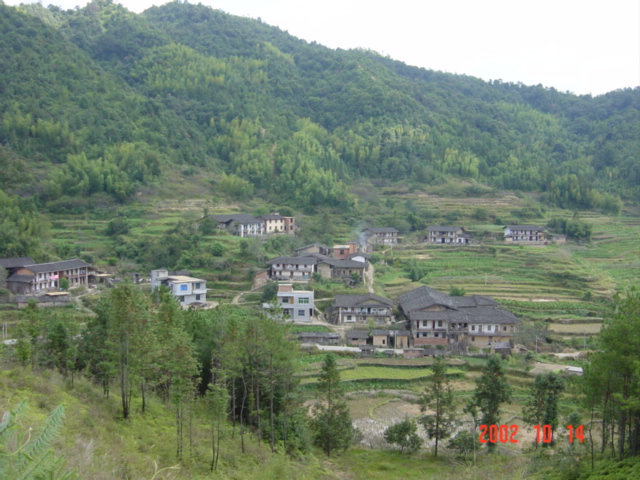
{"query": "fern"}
[(31, 458)]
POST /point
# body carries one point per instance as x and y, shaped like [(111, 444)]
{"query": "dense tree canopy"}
[(109, 100)]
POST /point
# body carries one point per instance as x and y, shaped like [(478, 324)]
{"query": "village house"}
[(527, 234), (240, 224), (302, 268), (188, 290), (297, 305), (314, 248), (387, 236), (357, 337), (343, 252), (391, 338), (245, 225), (299, 269), (436, 318), (319, 338), (361, 309), (26, 277), (439, 235), (276, 223)]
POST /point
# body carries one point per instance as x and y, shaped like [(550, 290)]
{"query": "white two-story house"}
[(297, 305), (188, 290)]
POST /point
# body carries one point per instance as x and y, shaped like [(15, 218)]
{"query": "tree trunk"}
[(271, 422), (144, 397)]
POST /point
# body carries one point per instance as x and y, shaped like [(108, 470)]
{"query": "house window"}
[(436, 334), (473, 339), (285, 299), (303, 300), (439, 323), (196, 286), (301, 313), (473, 328), (504, 328), (349, 318), (488, 328), (183, 288), (197, 297)]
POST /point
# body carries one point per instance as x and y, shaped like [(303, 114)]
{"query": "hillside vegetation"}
[(106, 101)]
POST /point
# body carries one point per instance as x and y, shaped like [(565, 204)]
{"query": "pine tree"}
[(492, 390), (438, 397), (541, 408), (332, 426)]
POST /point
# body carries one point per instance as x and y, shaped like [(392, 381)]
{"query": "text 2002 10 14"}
[(508, 433)]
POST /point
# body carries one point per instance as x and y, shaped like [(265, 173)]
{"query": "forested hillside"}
[(98, 102)]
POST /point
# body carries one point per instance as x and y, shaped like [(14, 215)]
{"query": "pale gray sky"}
[(581, 46)]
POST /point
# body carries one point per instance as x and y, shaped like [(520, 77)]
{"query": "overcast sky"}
[(581, 46)]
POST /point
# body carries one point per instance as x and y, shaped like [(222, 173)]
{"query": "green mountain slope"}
[(108, 100)]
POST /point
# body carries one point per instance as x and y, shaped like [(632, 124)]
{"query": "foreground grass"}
[(390, 464)]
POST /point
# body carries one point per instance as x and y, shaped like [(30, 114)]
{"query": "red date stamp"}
[(544, 433)]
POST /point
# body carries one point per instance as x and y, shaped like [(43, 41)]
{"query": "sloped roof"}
[(14, 262), (20, 278), (473, 301), (454, 316), (243, 218), (57, 266), (361, 300), (472, 309), (381, 333), (525, 227), (319, 245), (348, 264), (381, 230), (335, 262), (424, 297), (293, 260), (437, 228), (357, 334)]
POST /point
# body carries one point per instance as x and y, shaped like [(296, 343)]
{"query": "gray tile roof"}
[(57, 266), (357, 334), (347, 264), (443, 229), (367, 299), (525, 227), (472, 309), (336, 262), (292, 261), (20, 278), (243, 218), (423, 297), (14, 262), (312, 245), (381, 230)]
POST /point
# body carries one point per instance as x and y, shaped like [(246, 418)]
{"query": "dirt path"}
[(368, 278), (541, 368)]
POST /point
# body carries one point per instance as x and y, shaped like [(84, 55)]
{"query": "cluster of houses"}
[(339, 261), (428, 319), (521, 234), (26, 277), (245, 225)]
